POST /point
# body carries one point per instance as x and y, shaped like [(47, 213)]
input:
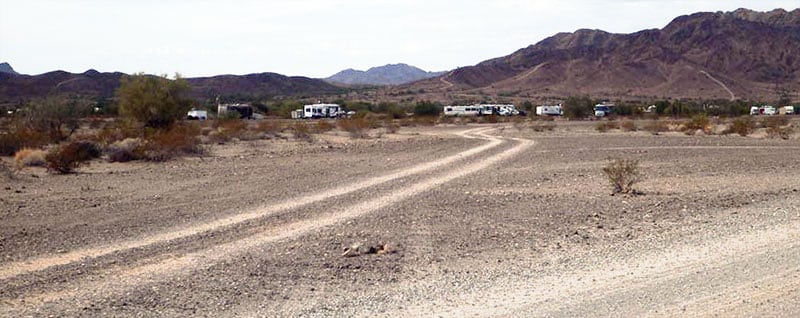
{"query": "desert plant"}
[(324, 126), (656, 126), (21, 136), (357, 127), (623, 174), (605, 126), (775, 121), (154, 101), (301, 131), (542, 125), (66, 158), (125, 150), (697, 122), (779, 132), (742, 126), (426, 108), (228, 128), (627, 125), (165, 144), (28, 157)]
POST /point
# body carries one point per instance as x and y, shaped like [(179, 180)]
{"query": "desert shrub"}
[(228, 128), (775, 121), (66, 158), (357, 127), (779, 132), (178, 140), (627, 125), (742, 126), (154, 101), (20, 136), (605, 126), (426, 108), (390, 126), (656, 126), (324, 126), (623, 174), (301, 131), (542, 125), (697, 122), (28, 157), (116, 131), (125, 150)]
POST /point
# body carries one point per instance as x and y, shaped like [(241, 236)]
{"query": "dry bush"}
[(20, 136), (229, 128), (779, 132), (125, 150), (656, 126), (28, 157), (178, 140), (775, 121), (542, 125), (66, 158), (605, 126), (324, 126), (623, 174), (357, 127), (390, 126), (628, 125), (742, 126), (269, 127), (301, 131), (697, 122)]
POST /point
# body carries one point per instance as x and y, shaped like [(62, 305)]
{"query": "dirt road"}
[(485, 221)]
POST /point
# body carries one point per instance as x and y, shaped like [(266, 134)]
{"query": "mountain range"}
[(734, 55), (742, 54), (390, 74)]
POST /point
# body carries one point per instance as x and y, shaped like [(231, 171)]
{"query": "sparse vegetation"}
[(656, 126), (605, 126), (743, 126), (357, 127), (155, 102), (165, 144), (28, 157), (301, 131), (628, 125), (623, 174), (68, 157), (697, 122)]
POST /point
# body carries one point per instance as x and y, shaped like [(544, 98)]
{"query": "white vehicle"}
[(461, 111), (322, 111), (506, 110), (763, 110), (545, 110), (787, 110), (297, 114), (196, 114), (603, 109)]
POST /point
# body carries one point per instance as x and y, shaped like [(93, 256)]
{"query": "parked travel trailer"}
[(549, 110), (603, 109), (196, 114), (322, 111), (461, 111), (763, 110), (786, 110), (245, 110), (297, 114)]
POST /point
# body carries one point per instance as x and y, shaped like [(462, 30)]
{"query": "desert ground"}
[(463, 221)]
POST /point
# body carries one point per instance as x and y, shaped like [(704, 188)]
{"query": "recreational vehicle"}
[(196, 114), (322, 111), (460, 111), (245, 110), (603, 109), (545, 110)]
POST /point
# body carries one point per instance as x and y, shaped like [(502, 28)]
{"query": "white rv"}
[(461, 111), (322, 111), (196, 114), (603, 109), (545, 110)]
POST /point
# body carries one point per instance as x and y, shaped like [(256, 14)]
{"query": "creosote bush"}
[(28, 157), (66, 158), (742, 126), (697, 122), (357, 127), (623, 174), (165, 144), (301, 131), (656, 126)]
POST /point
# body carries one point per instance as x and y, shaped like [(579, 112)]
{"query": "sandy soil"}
[(483, 220)]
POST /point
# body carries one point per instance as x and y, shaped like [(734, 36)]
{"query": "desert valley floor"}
[(474, 220)]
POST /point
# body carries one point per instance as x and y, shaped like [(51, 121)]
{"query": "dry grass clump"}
[(605, 126), (628, 125), (357, 127), (66, 158), (125, 150), (301, 131), (656, 126), (742, 126), (21, 136), (697, 122), (27, 157), (178, 140), (623, 174), (226, 129)]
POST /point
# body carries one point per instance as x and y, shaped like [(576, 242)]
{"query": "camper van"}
[(322, 111), (603, 109)]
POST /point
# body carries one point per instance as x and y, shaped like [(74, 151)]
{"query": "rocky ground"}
[(465, 221)]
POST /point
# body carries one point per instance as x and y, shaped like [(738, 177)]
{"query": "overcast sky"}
[(314, 38)]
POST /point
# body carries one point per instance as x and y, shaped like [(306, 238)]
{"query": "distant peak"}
[(6, 68)]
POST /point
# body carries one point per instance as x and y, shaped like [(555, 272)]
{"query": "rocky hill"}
[(735, 55), (6, 68), (16, 88), (391, 74)]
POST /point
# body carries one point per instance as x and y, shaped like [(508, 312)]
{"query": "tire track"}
[(42, 263), (720, 83), (117, 280)]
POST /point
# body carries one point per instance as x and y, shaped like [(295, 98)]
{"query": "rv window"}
[(448, 109)]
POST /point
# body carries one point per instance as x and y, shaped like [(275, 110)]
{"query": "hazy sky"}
[(314, 38)]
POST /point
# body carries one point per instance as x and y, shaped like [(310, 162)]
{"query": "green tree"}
[(154, 101), (57, 116), (426, 108), (578, 107)]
